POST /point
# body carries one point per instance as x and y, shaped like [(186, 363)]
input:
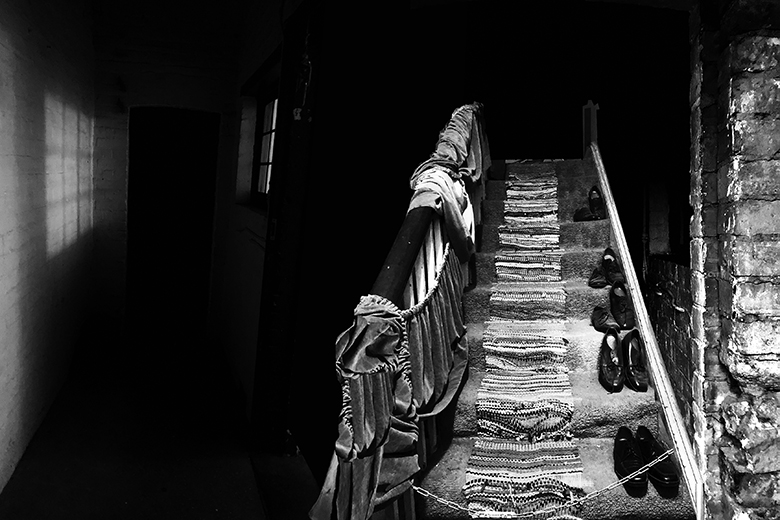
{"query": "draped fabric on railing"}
[(392, 364), (399, 366), (462, 152)]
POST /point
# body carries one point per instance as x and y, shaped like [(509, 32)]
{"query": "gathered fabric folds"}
[(394, 366), (439, 182)]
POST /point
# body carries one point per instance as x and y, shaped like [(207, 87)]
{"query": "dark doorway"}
[(172, 175)]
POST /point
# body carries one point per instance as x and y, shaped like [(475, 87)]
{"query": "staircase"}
[(596, 413)]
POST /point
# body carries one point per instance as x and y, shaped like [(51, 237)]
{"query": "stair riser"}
[(573, 195), (581, 301), (495, 190), (579, 264), (586, 235)]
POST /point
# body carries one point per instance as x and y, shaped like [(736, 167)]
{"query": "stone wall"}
[(750, 349), (735, 88)]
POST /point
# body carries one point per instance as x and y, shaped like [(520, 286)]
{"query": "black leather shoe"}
[(611, 375), (628, 459), (597, 279), (602, 320), (610, 267), (634, 364), (596, 203), (584, 214), (620, 306), (663, 475)]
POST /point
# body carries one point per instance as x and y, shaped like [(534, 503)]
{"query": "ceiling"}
[(678, 5)]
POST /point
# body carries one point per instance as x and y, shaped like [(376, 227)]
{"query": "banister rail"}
[(664, 390), (393, 279)]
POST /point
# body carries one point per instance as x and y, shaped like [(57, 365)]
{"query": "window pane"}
[(262, 180), (271, 148), (266, 148), (269, 117), (273, 121), (268, 178)]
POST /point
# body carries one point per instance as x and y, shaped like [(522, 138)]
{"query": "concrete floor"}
[(134, 435)]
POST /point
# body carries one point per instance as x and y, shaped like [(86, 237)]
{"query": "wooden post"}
[(589, 125)]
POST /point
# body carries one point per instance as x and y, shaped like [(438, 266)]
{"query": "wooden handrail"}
[(663, 385), (394, 276)]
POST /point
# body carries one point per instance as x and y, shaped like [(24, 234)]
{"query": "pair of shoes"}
[(622, 362), (621, 307), (630, 453), (595, 209), (608, 272)]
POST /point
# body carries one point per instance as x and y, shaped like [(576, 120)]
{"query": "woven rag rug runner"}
[(524, 460)]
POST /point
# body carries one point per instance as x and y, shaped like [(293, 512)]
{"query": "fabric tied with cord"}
[(395, 367)]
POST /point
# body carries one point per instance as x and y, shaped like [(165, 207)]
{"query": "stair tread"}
[(446, 479), (596, 412)]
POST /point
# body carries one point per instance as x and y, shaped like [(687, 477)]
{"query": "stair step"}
[(576, 264), (594, 234), (474, 333), (495, 190), (476, 304), (581, 299), (582, 351), (446, 479), (597, 413), (573, 195)]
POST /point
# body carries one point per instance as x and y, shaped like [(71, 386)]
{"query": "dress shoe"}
[(584, 214), (621, 307), (597, 279), (610, 267), (634, 364), (596, 203), (628, 459), (664, 474), (611, 375), (602, 320)]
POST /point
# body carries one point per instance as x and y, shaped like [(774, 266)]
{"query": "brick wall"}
[(46, 218), (669, 306)]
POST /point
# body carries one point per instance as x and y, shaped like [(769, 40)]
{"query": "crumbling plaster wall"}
[(735, 254)]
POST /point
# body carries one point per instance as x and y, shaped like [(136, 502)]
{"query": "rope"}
[(573, 502)]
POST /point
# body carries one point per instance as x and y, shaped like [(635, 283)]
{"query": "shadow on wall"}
[(46, 217)]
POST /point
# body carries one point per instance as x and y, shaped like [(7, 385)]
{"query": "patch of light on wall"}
[(68, 174)]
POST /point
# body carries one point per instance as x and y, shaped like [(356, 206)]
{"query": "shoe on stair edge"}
[(664, 474), (611, 268), (611, 373), (628, 459), (621, 307), (634, 361), (597, 279), (602, 320)]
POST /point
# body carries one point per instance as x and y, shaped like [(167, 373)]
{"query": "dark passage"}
[(145, 427), (172, 169)]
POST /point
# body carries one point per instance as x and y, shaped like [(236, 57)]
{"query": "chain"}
[(573, 501)]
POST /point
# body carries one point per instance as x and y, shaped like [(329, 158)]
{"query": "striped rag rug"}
[(524, 460)]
